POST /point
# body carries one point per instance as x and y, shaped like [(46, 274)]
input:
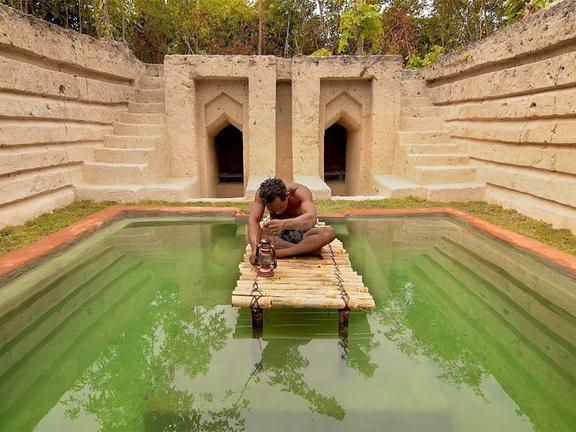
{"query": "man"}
[(292, 218)]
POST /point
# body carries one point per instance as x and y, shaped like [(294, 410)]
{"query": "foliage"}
[(15, 237), (400, 32), (154, 28), (516, 9), (417, 62), (322, 52), (360, 24)]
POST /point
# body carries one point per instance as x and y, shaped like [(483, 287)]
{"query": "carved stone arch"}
[(344, 109), (221, 111)]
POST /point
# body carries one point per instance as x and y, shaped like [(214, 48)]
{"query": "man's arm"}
[(305, 221), (254, 218)]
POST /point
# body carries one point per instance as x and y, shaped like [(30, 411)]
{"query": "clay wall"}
[(509, 102), (60, 92)]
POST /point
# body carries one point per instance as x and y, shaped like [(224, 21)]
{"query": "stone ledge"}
[(530, 35), (19, 261)]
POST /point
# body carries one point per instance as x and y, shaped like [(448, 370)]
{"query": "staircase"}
[(132, 165), (428, 164)]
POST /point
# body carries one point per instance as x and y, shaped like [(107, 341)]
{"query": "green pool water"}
[(131, 330)]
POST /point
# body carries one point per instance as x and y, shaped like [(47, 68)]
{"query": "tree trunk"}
[(322, 28), (287, 34), (104, 27), (260, 27)]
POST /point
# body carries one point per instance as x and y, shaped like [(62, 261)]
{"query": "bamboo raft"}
[(304, 282)]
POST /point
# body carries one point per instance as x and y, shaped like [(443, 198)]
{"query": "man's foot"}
[(317, 253)]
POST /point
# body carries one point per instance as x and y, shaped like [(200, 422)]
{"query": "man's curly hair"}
[(271, 188)]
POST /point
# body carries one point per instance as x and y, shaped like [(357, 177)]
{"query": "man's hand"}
[(253, 258), (275, 226)]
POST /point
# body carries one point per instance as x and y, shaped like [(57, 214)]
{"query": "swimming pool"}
[(131, 329)]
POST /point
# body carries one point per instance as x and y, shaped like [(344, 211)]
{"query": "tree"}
[(360, 24), (400, 32)]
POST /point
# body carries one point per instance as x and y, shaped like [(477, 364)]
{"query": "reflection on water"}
[(133, 332)]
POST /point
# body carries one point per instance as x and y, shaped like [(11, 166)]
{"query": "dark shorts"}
[(292, 236)]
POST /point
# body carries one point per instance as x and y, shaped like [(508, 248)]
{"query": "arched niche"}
[(228, 148)]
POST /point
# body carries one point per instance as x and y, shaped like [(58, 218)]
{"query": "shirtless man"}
[(292, 218)]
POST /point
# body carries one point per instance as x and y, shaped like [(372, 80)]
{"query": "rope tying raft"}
[(256, 294), (339, 280)]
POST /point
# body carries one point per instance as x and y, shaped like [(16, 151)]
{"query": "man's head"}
[(274, 194)]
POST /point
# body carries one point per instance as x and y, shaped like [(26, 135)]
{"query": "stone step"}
[(421, 123), (416, 101), (127, 142), (116, 173), (414, 87), (437, 159), (428, 111), (429, 148), (123, 155), (145, 108), (150, 95), (443, 174), (137, 129), (426, 137), (460, 192), (396, 187), (151, 82), (133, 118), (154, 70), (171, 190)]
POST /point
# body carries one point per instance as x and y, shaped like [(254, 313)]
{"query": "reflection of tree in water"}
[(131, 384), (284, 364), (357, 355), (420, 328)]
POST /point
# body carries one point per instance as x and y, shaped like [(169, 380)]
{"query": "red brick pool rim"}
[(18, 261)]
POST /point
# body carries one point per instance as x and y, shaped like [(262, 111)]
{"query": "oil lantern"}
[(266, 258)]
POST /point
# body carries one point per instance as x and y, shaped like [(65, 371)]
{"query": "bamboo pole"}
[(268, 302)]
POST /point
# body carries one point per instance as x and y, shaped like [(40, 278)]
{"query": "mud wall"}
[(60, 92), (510, 103)]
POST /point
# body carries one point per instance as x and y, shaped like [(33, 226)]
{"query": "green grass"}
[(12, 238)]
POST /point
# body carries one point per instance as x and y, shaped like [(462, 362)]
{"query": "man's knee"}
[(330, 233)]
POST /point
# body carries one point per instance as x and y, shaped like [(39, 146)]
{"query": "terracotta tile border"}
[(535, 247), (19, 261)]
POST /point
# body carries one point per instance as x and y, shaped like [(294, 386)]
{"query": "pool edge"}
[(20, 260)]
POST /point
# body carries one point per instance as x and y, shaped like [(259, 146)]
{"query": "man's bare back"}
[(292, 219)]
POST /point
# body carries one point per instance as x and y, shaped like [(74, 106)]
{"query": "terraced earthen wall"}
[(510, 103), (60, 92)]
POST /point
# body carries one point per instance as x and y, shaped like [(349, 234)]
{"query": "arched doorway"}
[(335, 147), (228, 144)]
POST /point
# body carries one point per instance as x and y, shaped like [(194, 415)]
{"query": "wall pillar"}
[(306, 129), (261, 130), (180, 106)]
